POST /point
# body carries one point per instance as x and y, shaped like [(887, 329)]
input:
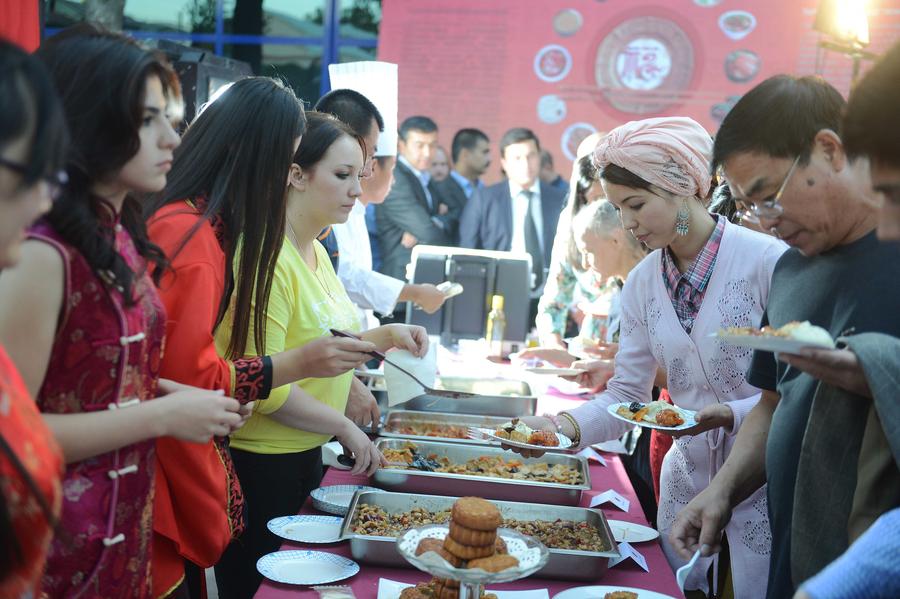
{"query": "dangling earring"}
[(683, 219)]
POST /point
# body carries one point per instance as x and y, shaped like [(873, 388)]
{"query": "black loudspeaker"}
[(482, 275), (513, 283), (201, 73)]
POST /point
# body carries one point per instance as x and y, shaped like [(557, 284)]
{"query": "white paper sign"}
[(626, 551), (612, 497), (591, 454)]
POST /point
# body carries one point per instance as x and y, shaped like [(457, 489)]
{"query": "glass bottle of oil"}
[(496, 327)]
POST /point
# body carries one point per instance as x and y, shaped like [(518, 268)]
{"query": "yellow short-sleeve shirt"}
[(303, 306)]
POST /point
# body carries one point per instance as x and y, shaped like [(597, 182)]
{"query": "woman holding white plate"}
[(704, 274)]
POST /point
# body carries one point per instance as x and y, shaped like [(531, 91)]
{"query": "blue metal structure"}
[(331, 41)]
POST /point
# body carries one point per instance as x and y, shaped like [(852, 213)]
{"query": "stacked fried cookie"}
[(472, 542)]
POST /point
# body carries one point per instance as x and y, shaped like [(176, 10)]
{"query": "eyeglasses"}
[(55, 181), (768, 209)]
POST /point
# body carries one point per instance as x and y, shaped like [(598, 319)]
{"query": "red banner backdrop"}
[(19, 23), (568, 67)]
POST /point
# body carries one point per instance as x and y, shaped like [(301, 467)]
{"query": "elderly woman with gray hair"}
[(606, 253)]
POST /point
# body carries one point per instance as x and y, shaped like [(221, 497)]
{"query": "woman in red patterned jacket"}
[(84, 325)]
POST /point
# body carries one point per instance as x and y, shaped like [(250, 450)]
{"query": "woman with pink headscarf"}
[(703, 274)]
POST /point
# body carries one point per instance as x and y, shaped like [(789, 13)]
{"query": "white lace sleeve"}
[(633, 379)]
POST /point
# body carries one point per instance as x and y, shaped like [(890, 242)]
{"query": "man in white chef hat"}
[(364, 96)]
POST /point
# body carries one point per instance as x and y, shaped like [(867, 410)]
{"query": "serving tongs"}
[(419, 462), (428, 390)]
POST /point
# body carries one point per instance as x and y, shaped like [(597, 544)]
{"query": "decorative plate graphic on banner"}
[(573, 136), (551, 109), (644, 64), (718, 111), (567, 22), (552, 63), (737, 24), (742, 65)]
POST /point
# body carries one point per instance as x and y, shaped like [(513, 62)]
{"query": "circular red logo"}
[(644, 64)]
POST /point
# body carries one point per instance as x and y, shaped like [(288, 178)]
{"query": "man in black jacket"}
[(519, 214), (413, 213)]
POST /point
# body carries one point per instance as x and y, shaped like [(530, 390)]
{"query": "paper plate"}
[(688, 416), (769, 343), (555, 371), (336, 498), (599, 592), (307, 528), (306, 567), (478, 433), (631, 532)]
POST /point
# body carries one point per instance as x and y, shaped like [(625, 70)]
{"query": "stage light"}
[(846, 21)]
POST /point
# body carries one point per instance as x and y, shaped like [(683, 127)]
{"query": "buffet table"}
[(612, 476)]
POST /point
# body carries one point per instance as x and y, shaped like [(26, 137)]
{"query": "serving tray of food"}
[(437, 426), (493, 397), (579, 539), (483, 471)]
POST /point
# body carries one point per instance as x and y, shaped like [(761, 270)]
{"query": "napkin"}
[(400, 387)]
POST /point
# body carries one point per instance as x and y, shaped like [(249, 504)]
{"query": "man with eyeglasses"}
[(871, 122), (820, 435)]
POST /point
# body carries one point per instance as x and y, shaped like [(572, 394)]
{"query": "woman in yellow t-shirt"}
[(277, 455)]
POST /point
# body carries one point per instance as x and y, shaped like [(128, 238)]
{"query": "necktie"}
[(533, 244)]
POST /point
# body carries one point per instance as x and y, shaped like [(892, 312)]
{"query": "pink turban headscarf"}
[(673, 153)]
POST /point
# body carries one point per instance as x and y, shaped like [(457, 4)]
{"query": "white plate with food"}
[(518, 434), (631, 532), (655, 414), (335, 499), (307, 528), (601, 592), (555, 371), (306, 567), (791, 338), (450, 289)]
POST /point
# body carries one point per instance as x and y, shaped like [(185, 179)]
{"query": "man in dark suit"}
[(519, 214), (413, 212), (471, 156)]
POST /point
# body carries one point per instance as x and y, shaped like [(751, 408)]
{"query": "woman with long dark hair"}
[(221, 222), (82, 321), (280, 450), (32, 153)]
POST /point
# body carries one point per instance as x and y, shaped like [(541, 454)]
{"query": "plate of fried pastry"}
[(655, 414), (473, 548), (518, 434)]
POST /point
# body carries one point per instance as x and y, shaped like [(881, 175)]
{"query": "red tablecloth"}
[(613, 476)]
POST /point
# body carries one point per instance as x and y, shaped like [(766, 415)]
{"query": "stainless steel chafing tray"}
[(443, 483), (564, 564), (396, 419), (495, 397)]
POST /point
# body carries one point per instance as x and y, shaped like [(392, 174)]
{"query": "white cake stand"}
[(530, 552)]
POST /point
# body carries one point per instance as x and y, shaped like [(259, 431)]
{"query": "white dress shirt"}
[(368, 289), (520, 211)]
